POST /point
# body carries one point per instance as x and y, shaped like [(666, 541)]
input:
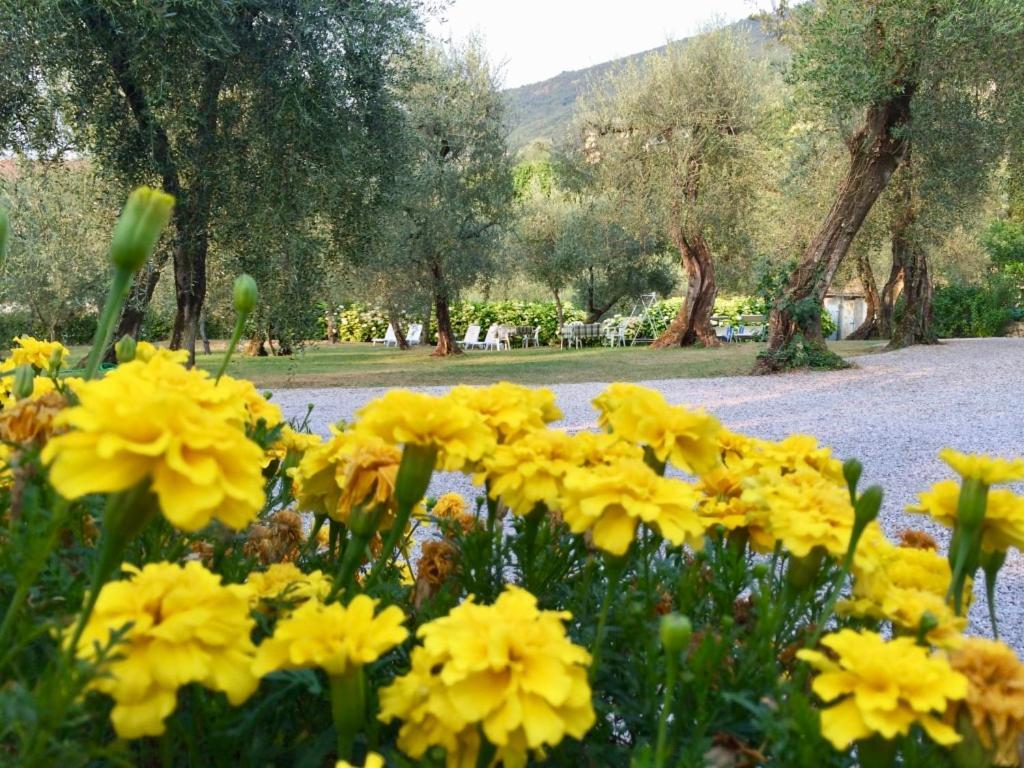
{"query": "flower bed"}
[(187, 579)]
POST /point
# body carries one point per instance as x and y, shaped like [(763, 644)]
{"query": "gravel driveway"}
[(893, 411)]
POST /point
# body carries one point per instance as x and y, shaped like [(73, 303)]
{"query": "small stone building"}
[(848, 308)]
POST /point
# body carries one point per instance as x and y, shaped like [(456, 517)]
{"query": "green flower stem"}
[(965, 549), (111, 311), (671, 673), (614, 568), (876, 752), (991, 563), (350, 561), (236, 335), (348, 708), (28, 577), (653, 461), (531, 524), (125, 516), (411, 483)]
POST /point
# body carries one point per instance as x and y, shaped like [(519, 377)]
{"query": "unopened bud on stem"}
[(125, 349), (246, 294), (138, 229), (24, 382)]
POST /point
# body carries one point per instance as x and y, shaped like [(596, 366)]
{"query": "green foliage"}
[(360, 322), (1004, 243), (54, 277), (963, 310)]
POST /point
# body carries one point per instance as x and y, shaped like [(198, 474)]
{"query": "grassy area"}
[(362, 365)]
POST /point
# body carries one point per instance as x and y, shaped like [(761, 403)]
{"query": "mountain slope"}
[(544, 110)]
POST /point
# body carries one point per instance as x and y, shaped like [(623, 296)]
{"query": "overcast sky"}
[(533, 40)]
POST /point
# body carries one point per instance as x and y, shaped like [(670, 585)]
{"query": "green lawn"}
[(363, 365)]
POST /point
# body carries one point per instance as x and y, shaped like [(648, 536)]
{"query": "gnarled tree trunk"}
[(446, 344), (876, 150), (396, 322), (890, 293), (915, 325), (693, 323), (869, 328)]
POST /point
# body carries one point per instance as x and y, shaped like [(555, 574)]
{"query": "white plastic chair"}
[(389, 340), (533, 337), (414, 334), (491, 339), (471, 338), (504, 337)]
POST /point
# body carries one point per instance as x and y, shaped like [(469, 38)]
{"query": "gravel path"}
[(893, 411)]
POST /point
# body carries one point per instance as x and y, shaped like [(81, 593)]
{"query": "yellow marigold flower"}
[(143, 422), (285, 580), (882, 687), (31, 351), (531, 470), (184, 627), (510, 410), (257, 405), (804, 512), (352, 470), (460, 436), (720, 502), (611, 500), (995, 696), (373, 760), (902, 586), (597, 448), (145, 352), (333, 637), (687, 439), (1003, 526), (507, 670), (764, 460), (990, 470), (452, 507)]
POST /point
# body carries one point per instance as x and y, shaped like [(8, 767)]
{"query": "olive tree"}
[(886, 72), (457, 192), (198, 95), (676, 140)]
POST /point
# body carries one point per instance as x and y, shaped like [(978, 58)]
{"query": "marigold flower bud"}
[(245, 295), (24, 381), (675, 630), (867, 507), (137, 231), (852, 470), (125, 349)]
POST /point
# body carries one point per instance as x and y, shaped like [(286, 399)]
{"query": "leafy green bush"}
[(962, 310), (361, 322)]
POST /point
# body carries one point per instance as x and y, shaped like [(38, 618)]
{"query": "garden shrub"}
[(963, 310), (363, 322)]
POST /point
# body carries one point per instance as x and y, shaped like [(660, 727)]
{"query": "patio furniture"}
[(531, 336), (389, 339), (567, 333), (580, 332), (504, 340), (491, 339), (751, 327), (615, 334), (414, 334), (471, 338)]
